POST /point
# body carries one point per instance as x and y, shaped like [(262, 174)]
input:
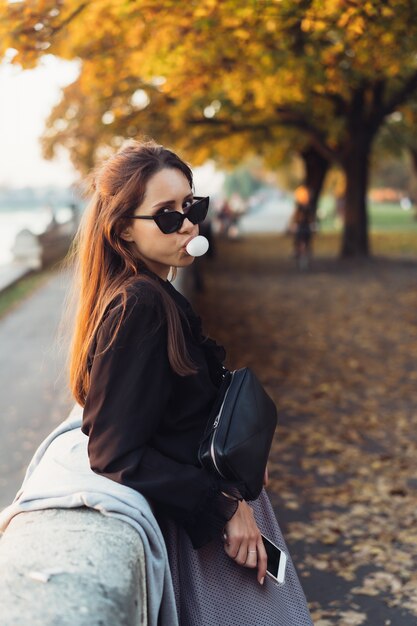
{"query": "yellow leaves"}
[(387, 38), (309, 24), (271, 26), (345, 17), (243, 34), (204, 8), (344, 618), (256, 58), (231, 21), (357, 25), (408, 536), (378, 582), (352, 618), (387, 11), (394, 69), (353, 22)]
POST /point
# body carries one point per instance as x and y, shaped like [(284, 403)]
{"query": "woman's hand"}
[(243, 541)]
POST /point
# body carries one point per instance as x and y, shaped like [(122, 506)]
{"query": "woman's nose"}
[(186, 226)]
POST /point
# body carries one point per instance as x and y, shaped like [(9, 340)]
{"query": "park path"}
[(34, 395), (337, 349)]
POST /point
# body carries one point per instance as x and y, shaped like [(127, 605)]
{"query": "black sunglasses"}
[(172, 221)]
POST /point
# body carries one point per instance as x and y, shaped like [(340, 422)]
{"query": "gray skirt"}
[(212, 590)]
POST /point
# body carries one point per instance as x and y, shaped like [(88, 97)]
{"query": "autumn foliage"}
[(223, 79)]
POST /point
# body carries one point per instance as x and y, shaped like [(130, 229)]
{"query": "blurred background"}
[(299, 119), (269, 95)]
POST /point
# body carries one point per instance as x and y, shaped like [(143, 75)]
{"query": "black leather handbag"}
[(239, 432)]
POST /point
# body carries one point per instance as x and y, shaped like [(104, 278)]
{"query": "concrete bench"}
[(99, 567)]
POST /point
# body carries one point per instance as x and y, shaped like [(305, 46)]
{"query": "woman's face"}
[(167, 190)]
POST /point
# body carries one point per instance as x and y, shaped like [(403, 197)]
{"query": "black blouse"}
[(145, 422)]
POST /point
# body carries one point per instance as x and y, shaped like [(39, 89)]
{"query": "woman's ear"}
[(125, 232)]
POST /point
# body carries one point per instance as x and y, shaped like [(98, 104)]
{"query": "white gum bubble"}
[(197, 246)]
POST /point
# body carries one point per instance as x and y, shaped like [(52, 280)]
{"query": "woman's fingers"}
[(262, 561), (235, 547), (243, 542), (242, 554), (251, 556)]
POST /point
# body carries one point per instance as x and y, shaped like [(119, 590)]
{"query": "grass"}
[(383, 217), (393, 231), (13, 295), (394, 243), (327, 244), (382, 243)]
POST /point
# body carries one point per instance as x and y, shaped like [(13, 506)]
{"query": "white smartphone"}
[(277, 561)]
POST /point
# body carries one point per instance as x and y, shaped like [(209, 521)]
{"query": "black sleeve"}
[(130, 389)]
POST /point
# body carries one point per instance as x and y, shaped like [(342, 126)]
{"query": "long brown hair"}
[(105, 265)]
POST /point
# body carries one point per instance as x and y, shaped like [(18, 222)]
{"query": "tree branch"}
[(285, 117), (338, 101), (51, 30), (377, 108), (289, 117), (71, 17), (407, 90)]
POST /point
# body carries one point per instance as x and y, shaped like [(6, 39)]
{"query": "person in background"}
[(302, 227)]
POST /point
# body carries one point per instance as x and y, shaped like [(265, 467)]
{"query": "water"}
[(36, 220)]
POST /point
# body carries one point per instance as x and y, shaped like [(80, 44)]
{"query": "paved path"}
[(34, 395), (273, 216)]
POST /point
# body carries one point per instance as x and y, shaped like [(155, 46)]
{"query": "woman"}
[(302, 225), (147, 379)]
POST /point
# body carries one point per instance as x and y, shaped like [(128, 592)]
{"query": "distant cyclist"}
[(302, 226)]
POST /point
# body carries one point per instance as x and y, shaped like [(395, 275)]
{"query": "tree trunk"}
[(355, 241), (316, 167), (413, 153), (413, 194)]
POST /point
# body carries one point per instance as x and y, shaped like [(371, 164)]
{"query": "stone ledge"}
[(101, 563)]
